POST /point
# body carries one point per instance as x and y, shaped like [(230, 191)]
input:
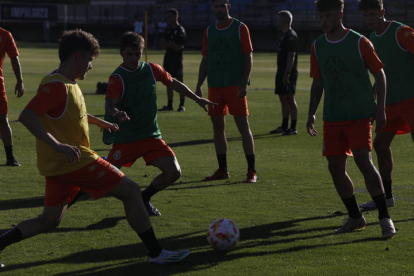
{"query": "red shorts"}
[(400, 117), (227, 100), (4, 109), (339, 138), (97, 179), (150, 149)]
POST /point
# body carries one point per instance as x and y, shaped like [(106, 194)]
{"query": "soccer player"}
[(57, 117), (287, 73), (131, 101), (173, 41), (227, 63), (340, 60), (7, 45), (394, 44)]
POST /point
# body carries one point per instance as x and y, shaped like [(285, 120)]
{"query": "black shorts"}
[(175, 70), (282, 89)]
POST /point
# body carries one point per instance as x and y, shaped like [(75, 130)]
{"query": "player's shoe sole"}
[(169, 257)]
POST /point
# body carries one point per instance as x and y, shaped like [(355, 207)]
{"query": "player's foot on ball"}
[(388, 229), (166, 108), (352, 224), (169, 257), (219, 174), (151, 209), (12, 163), (290, 131), (371, 204), (251, 176), (181, 109), (278, 130)]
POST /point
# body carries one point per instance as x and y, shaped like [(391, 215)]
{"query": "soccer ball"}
[(223, 234)]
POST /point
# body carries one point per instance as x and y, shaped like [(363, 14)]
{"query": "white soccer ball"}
[(223, 234)]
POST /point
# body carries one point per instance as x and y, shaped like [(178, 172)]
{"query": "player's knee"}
[(176, 173)]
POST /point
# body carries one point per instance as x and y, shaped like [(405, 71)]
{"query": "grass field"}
[(286, 219)]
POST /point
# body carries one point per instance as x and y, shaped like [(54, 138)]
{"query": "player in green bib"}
[(227, 63), (394, 43), (131, 102), (340, 61)]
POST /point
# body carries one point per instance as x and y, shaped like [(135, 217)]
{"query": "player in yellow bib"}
[(57, 117)]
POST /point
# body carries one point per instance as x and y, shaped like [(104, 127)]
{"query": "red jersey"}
[(244, 38), (7, 45), (116, 87), (368, 54)]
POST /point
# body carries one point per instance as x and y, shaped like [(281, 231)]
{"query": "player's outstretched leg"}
[(170, 172), (137, 216)]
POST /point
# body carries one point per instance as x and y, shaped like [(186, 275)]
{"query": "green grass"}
[(286, 219)]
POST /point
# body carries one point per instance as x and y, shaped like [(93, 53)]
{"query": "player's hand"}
[(73, 153), (109, 127), (242, 92), (286, 79), (310, 126), (199, 92), (381, 119), (19, 89), (203, 102), (122, 116)]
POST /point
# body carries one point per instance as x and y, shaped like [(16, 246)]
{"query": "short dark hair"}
[(173, 12), (77, 41), (328, 5), (287, 14), (364, 5), (133, 40)]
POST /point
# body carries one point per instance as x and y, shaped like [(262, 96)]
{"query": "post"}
[(146, 35)]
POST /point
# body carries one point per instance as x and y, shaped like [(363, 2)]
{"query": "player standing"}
[(394, 44), (227, 63), (7, 45), (287, 73), (173, 41), (57, 117), (131, 101), (340, 60)]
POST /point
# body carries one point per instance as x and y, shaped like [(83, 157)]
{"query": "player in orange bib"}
[(57, 117), (7, 45)]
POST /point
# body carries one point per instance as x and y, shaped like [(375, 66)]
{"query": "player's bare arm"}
[(315, 99), (31, 121), (247, 69), (184, 90), (19, 88), (104, 125), (289, 65), (381, 92), (110, 107), (202, 75)]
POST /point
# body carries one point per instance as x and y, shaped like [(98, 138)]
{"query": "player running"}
[(131, 101), (340, 60), (394, 44), (57, 117)]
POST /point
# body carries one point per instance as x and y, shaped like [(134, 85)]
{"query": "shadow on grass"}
[(200, 259)]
